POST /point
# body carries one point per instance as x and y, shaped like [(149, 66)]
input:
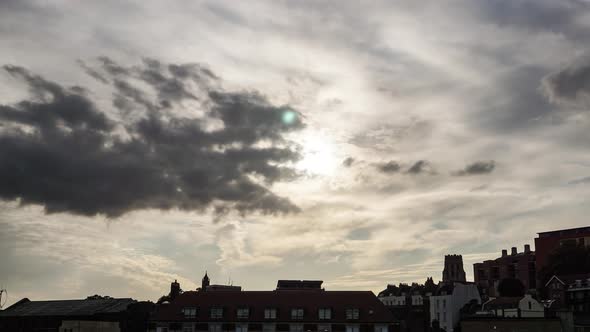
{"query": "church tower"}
[(205, 282), (453, 269)]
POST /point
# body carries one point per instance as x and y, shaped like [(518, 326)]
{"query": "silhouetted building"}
[(206, 286), (299, 284), (578, 296), (205, 281), (547, 242), (555, 290), (290, 309), (514, 307), (410, 304), (95, 313), (496, 324), (175, 290), (453, 270), (517, 265)]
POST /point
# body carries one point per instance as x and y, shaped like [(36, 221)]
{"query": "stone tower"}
[(453, 269)]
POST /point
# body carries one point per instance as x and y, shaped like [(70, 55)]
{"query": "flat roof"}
[(584, 229)]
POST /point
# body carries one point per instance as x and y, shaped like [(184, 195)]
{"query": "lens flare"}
[(289, 117)]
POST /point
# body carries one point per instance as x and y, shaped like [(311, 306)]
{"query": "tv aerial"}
[(3, 297)]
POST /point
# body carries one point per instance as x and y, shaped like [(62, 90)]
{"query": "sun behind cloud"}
[(319, 155)]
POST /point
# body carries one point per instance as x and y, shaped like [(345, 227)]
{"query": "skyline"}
[(355, 144)]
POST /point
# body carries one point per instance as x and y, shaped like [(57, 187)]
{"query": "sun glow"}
[(319, 155)]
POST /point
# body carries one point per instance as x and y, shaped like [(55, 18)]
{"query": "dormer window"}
[(325, 313), (352, 313), (189, 312), (297, 313)]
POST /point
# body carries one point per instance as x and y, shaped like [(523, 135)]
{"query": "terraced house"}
[(294, 306)]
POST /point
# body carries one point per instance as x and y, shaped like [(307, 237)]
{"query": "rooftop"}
[(370, 308), (565, 232), (87, 307)]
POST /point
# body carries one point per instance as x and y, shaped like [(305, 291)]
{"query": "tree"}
[(511, 287)]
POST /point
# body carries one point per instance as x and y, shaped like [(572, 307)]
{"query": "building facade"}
[(487, 324), (547, 242), (446, 304), (521, 266), (514, 307), (294, 306), (410, 304)]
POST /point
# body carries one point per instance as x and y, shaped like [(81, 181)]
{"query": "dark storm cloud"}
[(517, 103), (91, 72), (477, 168), (562, 17), (65, 154), (421, 167), (570, 85), (580, 181), (348, 162), (389, 167)]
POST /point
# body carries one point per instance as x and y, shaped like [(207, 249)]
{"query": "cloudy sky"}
[(357, 143)]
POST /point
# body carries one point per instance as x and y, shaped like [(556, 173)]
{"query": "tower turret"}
[(205, 281)]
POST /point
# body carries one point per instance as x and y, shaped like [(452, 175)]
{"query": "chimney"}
[(514, 252), (504, 252), (527, 248), (174, 290)]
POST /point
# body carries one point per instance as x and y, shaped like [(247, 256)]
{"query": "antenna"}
[(5, 293)]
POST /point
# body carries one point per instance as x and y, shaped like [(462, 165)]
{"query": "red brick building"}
[(546, 242), (517, 265)]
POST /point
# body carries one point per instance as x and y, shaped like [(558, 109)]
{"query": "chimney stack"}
[(504, 252), (514, 252), (527, 248), (174, 290)]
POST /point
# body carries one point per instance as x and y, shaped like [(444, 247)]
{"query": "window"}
[(295, 328), (324, 328), (325, 313), (352, 313), (381, 328), (268, 327), (241, 327), (444, 303), (297, 313), (352, 328), (243, 313), (530, 305), (190, 312), (216, 312), (214, 327), (270, 313)]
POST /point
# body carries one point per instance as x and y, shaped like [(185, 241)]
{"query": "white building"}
[(517, 307), (446, 304)]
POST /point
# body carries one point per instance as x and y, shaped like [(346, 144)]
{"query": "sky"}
[(352, 142)]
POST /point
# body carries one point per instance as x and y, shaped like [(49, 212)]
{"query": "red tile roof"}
[(371, 310)]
